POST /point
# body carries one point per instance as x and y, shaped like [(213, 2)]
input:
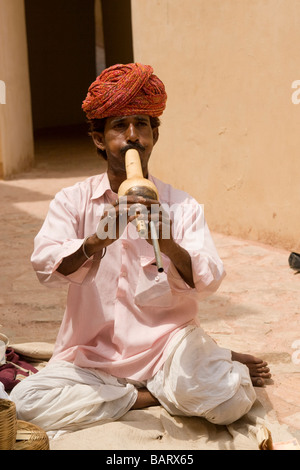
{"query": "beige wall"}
[(16, 137), (231, 134)]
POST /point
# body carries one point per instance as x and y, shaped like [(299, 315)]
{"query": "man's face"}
[(125, 132)]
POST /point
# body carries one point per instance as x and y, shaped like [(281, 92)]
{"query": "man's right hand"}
[(116, 217), (111, 226)]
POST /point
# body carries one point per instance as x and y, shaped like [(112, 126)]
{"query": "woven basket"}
[(8, 424), (4, 338), (30, 437)]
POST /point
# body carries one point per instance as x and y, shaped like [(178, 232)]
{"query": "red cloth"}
[(14, 370), (125, 90)]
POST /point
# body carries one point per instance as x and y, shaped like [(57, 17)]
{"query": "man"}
[(130, 336)]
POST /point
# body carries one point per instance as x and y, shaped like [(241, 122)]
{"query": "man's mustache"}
[(137, 146)]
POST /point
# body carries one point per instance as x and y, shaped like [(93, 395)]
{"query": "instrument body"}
[(137, 185)]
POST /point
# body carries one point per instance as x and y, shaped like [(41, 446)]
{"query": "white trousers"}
[(198, 379)]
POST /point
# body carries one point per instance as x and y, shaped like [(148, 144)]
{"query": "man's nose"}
[(132, 134)]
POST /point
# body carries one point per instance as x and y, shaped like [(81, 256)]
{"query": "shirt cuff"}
[(175, 280), (207, 275), (79, 276)]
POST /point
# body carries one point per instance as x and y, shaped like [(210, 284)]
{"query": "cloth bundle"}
[(14, 370)]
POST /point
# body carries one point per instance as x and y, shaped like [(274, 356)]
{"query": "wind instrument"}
[(137, 185)]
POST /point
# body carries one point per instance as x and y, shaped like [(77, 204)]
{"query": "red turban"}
[(124, 90)]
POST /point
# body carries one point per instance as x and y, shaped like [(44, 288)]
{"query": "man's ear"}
[(155, 135), (98, 139)]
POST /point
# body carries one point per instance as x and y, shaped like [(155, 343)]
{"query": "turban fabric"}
[(125, 90)]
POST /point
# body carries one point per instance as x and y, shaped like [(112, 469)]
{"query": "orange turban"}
[(124, 90)]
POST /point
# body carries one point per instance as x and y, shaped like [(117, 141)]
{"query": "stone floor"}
[(256, 310)]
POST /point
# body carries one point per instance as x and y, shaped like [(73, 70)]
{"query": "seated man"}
[(130, 337)]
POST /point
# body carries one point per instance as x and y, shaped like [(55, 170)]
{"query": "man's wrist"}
[(170, 248), (93, 245)]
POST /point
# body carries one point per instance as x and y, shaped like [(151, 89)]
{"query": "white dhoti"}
[(198, 379)]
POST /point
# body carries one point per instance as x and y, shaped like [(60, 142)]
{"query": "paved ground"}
[(256, 310)]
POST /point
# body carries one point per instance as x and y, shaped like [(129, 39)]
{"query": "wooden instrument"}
[(137, 185)]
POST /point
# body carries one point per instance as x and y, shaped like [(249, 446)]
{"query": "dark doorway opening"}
[(69, 43), (61, 54), (117, 31)]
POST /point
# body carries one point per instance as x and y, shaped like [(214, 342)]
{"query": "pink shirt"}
[(120, 313)]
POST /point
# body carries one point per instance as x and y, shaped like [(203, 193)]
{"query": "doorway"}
[(69, 44)]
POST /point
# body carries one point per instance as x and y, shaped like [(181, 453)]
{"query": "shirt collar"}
[(104, 186)]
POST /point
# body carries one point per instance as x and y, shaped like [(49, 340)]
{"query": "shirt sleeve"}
[(60, 236), (190, 230)]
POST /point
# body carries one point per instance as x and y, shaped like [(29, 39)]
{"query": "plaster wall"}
[(230, 135), (16, 135)]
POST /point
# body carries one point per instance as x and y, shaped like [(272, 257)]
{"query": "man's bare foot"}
[(144, 399), (257, 367)]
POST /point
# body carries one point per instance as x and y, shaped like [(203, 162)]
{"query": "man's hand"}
[(117, 216), (111, 226), (163, 225), (113, 223)]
